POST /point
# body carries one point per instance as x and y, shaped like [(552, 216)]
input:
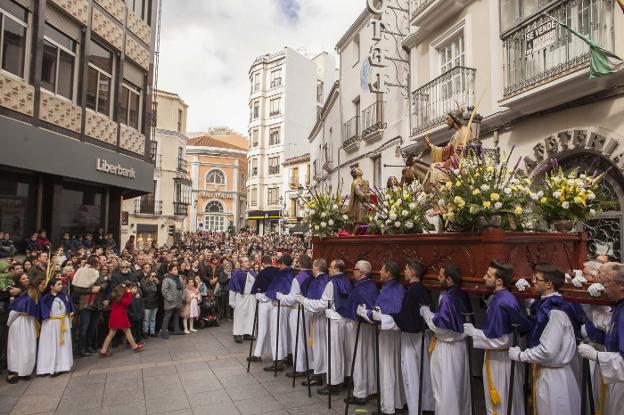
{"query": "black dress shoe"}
[(296, 374), (248, 337), (254, 359), (273, 368), (238, 339), (314, 381), (356, 401), (178, 333), (326, 390), (289, 360)]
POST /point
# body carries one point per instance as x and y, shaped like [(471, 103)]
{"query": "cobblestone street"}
[(201, 373)]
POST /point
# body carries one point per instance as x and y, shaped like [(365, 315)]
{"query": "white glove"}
[(329, 313), (596, 289), (279, 296), (469, 329), (514, 353), (425, 310), (588, 352), (361, 310), (578, 281), (377, 315), (522, 284), (584, 332), (259, 296), (300, 298)]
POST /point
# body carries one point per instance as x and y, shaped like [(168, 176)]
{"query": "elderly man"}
[(242, 300)]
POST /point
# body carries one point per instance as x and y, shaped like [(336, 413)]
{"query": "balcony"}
[(428, 14), (539, 52), (274, 113), (274, 169), (351, 134), (147, 205), (372, 121), (182, 167), (276, 82), (432, 101), (180, 208)]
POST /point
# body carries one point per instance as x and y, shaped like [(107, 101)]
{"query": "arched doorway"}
[(215, 217), (605, 232)]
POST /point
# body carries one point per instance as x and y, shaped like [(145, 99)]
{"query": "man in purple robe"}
[(242, 300), (261, 284)]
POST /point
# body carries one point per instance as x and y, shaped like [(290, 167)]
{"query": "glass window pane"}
[(103, 105), (92, 89), (123, 106), (48, 66), (60, 37), (101, 57), (14, 47), (14, 10), (65, 85), (133, 116)]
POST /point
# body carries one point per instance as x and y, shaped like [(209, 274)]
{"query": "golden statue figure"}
[(360, 195)]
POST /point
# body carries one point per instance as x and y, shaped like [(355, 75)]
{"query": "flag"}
[(601, 61)]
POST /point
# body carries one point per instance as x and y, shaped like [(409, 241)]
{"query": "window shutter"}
[(28, 4), (134, 75), (63, 23)]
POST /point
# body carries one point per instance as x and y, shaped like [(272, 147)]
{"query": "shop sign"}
[(540, 37), (116, 169), (124, 217), (575, 140), (216, 195)]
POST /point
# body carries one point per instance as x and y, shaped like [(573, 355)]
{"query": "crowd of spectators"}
[(154, 291)]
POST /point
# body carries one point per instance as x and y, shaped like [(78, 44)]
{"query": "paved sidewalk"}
[(201, 373)]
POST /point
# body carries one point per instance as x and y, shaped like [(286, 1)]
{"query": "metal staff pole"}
[(377, 375), (512, 375), (305, 344), (329, 393), (277, 332), (253, 335), (350, 386), (296, 346), (467, 319)]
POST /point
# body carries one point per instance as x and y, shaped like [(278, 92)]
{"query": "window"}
[(276, 78), (253, 167), (294, 176), (253, 196), (452, 54), (274, 107), (356, 48), (293, 208), (255, 114), (274, 167), (327, 153), (256, 82), (377, 171), (182, 191), (274, 136), (254, 138), (154, 113), (513, 11), (181, 161), (140, 8), (319, 91), (243, 179), (307, 178), (180, 119), (214, 219), (57, 68), (215, 177), (130, 105), (14, 21), (273, 195), (100, 78)]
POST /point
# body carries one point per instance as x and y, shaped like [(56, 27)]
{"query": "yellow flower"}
[(449, 185), (543, 200), (458, 183), (494, 196), (476, 191), (459, 201), (487, 204), (473, 209), (518, 210), (489, 169)]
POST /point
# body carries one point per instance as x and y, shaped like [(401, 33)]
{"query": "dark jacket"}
[(117, 278), (205, 271), (150, 294), (136, 309)]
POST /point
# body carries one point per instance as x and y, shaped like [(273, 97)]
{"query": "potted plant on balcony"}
[(483, 193), (568, 198), (325, 213), (400, 210)]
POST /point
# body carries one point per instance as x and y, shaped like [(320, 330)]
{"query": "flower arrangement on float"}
[(325, 213), (400, 210), (564, 199), (485, 193)]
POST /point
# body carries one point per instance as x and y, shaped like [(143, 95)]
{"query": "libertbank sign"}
[(116, 169)]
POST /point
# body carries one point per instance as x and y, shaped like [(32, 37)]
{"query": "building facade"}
[(298, 176), (219, 176), (158, 216), (75, 111), (287, 90)]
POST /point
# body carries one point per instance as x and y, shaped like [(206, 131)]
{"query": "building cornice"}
[(297, 160), (171, 133), (201, 150), (361, 19)]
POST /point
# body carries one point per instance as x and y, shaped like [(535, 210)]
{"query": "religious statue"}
[(392, 182), (360, 195)]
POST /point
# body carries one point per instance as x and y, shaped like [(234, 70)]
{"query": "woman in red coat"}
[(118, 320)]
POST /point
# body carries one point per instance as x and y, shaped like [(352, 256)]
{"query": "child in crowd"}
[(135, 311), (119, 320), (190, 309), (55, 309)]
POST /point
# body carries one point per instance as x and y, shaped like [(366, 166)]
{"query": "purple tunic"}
[(540, 313), (364, 292), (317, 286), (239, 279), (502, 312), (24, 304), (614, 340), (45, 305), (453, 304), (304, 278), (391, 297), (281, 283)]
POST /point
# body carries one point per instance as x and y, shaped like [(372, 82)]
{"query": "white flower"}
[(556, 194), (393, 216), (565, 204), (335, 207), (498, 205), (323, 214), (386, 203), (397, 224), (330, 222), (534, 196), (540, 193), (507, 190), (345, 217), (388, 221), (556, 179), (591, 195), (409, 225), (413, 205), (514, 181), (485, 187), (316, 227), (592, 212), (323, 225), (405, 213)]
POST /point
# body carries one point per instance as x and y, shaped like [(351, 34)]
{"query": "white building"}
[(287, 90)]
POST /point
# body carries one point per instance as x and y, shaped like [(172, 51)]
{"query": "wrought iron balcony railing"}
[(276, 82), (432, 101), (538, 50), (373, 119), (417, 6), (147, 205), (180, 209)]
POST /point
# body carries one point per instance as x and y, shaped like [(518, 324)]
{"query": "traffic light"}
[(171, 230)]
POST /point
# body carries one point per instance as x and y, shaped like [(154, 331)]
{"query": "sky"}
[(207, 47)]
